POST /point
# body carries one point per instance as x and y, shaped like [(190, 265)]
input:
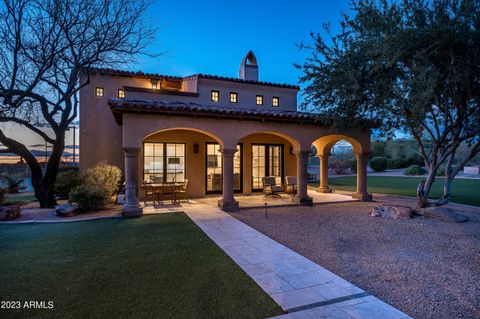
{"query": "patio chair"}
[(182, 191), (291, 185), (150, 193), (270, 187)]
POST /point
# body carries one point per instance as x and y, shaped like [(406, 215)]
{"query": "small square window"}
[(99, 91), (233, 97), (276, 101), (215, 96), (259, 99), (121, 93)]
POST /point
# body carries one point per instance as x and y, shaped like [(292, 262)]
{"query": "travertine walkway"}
[(301, 287)]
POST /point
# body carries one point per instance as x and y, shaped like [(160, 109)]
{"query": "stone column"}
[(132, 206), (362, 192), (324, 188), (302, 184), (228, 201)]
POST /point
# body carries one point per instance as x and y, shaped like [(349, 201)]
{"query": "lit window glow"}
[(99, 91), (259, 99), (276, 101), (215, 96), (233, 97)]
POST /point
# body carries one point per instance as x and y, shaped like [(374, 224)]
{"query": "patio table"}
[(166, 188)]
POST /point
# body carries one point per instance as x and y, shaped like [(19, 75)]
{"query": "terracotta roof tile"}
[(118, 72), (119, 106)]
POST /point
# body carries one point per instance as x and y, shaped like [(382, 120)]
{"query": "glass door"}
[(214, 179), (267, 160)]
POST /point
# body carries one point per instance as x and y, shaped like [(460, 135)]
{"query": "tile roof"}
[(203, 76), (119, 106)]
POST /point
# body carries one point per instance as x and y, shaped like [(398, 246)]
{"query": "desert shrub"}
[(414, 170), (378, 164), (397, 162), (96, 188), (67, 179), (416, 160), (440, 171), (340, 166)]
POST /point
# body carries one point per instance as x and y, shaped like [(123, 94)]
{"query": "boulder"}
[(394, 212), (10, 212), (66, 210), (442, 213)]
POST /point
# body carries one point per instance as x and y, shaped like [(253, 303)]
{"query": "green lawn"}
[(160, 266), (464, 191), (9, 200)]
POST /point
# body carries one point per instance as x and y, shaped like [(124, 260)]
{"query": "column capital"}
[(228, 152), (131, 151), (324, 157), (302, 152)]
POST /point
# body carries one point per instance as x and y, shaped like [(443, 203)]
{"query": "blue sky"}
[(212, 37)]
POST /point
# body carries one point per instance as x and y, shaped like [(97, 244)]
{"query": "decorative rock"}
[(10, 212), (442, 213), (394, 212), (66, 210)]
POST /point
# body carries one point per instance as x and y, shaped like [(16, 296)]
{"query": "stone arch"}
[(295, 143), (209, 134), (325, 143)]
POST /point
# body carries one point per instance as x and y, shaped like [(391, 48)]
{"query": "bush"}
[(97, 186), (397, 162), (416, 160), (415, 170), (440, 171), (378, 164), (342, 166), (66, 181)]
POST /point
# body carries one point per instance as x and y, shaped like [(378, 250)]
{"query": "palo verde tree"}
[(44, 47), (414, 66)]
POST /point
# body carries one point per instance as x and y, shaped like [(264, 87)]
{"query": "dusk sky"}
[(212, 37)]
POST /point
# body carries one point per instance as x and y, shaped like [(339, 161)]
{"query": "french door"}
[(267, 160), (214, 177)]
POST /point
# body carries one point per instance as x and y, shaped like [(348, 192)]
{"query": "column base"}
[(303, 201), (130, 212), (324, 190), (228, 206), (363, 197)]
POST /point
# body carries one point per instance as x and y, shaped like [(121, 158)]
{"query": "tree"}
[(413, 65), (45, 45)]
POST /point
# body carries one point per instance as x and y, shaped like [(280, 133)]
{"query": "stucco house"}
[(222, 134)]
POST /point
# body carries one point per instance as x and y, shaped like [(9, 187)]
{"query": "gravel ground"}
[(426, 268)]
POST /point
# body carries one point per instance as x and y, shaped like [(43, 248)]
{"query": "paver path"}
[(301, 287)]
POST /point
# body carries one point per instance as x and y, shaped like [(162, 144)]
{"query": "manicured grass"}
[(160, 266), (9, 200), (464, 191)]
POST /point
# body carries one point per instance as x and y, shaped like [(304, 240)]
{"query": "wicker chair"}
[(291, 185), (270, 188), (182, 191)]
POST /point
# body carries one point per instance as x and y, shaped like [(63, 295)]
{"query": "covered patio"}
[(225, 153)]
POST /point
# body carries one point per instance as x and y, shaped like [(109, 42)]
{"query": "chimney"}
[(249, 68)]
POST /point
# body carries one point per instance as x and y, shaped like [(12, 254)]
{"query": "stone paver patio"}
[(301, 287)]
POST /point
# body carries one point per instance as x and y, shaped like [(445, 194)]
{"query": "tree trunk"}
[(423, 189)]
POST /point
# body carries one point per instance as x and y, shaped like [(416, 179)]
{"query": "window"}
[(259, 99), (276, 101), (215, 96), (121, 93), (233, 97), (99, 91), (164, 162), (214, 181)]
